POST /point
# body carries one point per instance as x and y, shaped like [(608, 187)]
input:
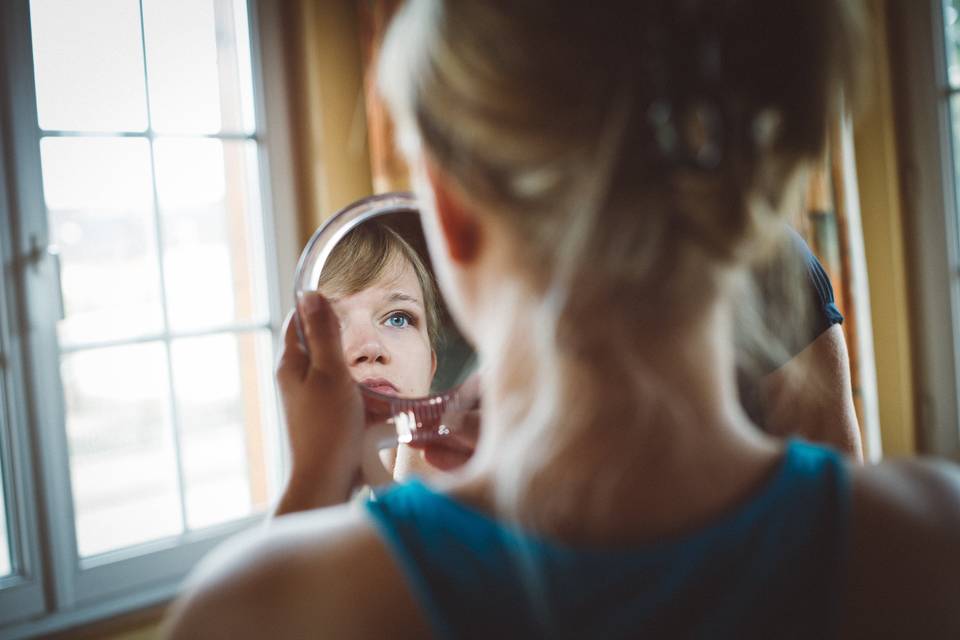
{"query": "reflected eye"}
[(400, 320)]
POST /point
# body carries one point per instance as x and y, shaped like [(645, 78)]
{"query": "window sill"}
[(99, 621)]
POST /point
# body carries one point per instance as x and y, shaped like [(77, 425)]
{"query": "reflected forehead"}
[(393, 285)]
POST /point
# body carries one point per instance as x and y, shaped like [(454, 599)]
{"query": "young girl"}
[(597, 178)]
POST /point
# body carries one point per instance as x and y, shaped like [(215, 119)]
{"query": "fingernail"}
[(312, 304)]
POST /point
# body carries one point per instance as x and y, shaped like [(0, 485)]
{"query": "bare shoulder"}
[(811, 396), (927, 489), (904, 577), (317, 574)]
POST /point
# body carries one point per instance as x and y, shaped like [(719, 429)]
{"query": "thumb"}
[(321, 332)]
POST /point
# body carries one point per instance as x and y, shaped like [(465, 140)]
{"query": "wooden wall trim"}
[(885, 247)]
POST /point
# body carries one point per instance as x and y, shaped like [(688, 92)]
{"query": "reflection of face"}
[(383, 331), (384, 335)]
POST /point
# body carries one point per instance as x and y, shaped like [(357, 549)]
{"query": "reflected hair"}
[(367, 253)]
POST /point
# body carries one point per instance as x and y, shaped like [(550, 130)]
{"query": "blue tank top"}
[(772, 567)]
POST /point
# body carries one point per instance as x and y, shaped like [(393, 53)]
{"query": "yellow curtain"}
[(325, 75), (387, 167)]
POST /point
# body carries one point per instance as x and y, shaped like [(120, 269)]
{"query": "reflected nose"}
[(362, 345)]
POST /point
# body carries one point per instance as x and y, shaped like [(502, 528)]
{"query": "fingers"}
[(377, 437), (292, 344), (293, 361), (311, 342), (321, 330), (445, 459)]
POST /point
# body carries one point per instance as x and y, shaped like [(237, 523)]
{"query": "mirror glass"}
[(400, 344)]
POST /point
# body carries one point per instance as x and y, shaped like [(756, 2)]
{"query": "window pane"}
[(951, 22), (213, 241), (224, 403), (122, 456), (955, 139), (100, 201), (88, 59), (198, 65)]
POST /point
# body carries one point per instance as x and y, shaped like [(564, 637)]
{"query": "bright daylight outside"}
[(951, 19), (152, 184), (4, 539)]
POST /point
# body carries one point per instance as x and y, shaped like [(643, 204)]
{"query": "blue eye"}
[(399, 320)]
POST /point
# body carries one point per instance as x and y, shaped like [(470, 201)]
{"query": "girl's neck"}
[(667, 442), (690, 366)]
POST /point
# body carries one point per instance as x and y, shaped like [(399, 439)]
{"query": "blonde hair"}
[(365, 254), (642, 152)]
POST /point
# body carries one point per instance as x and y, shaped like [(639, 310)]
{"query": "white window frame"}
[(930, 192), (21, 593), (57, 588)]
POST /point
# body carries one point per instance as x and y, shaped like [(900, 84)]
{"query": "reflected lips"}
[(381, 385)]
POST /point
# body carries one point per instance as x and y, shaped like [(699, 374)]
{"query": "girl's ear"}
[(458, 223)]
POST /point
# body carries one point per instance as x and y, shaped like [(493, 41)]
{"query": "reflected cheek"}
[(413, 362)]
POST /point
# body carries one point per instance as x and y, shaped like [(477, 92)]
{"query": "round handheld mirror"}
[(403, 349)]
